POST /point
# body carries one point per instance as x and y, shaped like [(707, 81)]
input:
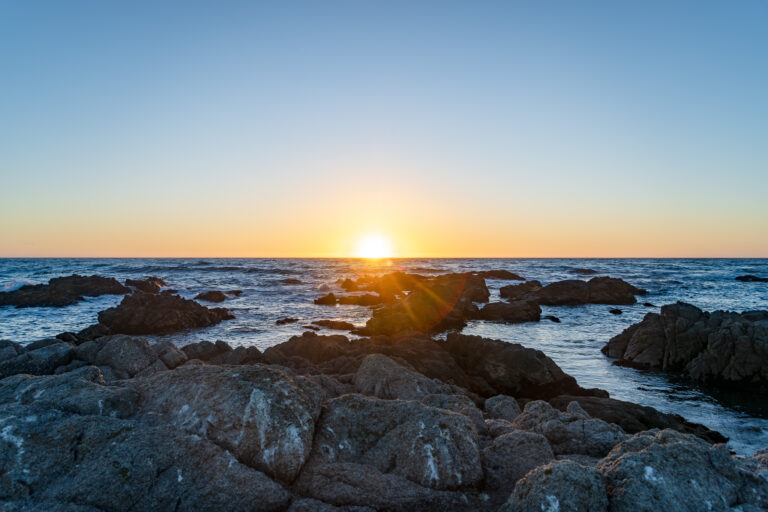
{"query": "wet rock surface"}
[(62, 291), (721, 348)]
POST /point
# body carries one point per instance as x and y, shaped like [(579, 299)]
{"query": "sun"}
[(373, 246)]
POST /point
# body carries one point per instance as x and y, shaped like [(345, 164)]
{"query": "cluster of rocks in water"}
[(411, 302), (327, 423), (102, 420), (720, 348)]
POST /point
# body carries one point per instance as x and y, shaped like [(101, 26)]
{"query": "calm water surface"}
[(574, 343)]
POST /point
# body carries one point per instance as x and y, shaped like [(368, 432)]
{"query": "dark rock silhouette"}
[(287, 320), (749, 278), (440, 303), (62, 291), (146, 285), (335, 324), (212, 296), (721, 347), (511, 312), (144, 313), (571, 292)]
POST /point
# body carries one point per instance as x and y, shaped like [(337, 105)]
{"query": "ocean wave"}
[(15, 284), (279, 271)]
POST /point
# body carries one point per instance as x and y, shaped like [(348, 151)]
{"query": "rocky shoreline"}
[(102, 420)]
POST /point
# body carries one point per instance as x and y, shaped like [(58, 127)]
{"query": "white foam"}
[(14, 284)]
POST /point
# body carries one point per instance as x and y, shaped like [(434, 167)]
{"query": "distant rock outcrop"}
[(443, 302), (147, 285), (571, 292), (749, 278), (144, 313), (721, 347), (62, 291)]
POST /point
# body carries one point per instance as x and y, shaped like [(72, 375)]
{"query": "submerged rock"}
[(144, 313), (724, 348), (62, 291)]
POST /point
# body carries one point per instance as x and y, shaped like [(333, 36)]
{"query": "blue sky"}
[(454, 128)]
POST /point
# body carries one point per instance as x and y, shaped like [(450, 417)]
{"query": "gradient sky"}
[(454, 128)]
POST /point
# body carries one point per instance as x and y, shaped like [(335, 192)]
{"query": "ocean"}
[(574, 343)]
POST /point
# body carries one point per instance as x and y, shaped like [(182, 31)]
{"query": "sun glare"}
[(373, 246)]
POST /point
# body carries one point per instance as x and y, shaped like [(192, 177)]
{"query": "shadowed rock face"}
[(511, 312), (724, 348), (62, 291), (144, 313), (512, 369), (437, 304), (572, 292)]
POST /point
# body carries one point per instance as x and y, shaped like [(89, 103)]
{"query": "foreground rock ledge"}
[(324, 423)]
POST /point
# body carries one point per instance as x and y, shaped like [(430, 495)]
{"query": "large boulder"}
[(562, 486), (571, 432), (144, 313), (512, 369), (667, 470), (263, 416), (125, 353), (502, 407), (430, 447), (69, 439), (598, 290), (722, 348), (511, 455), (62, 291)]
